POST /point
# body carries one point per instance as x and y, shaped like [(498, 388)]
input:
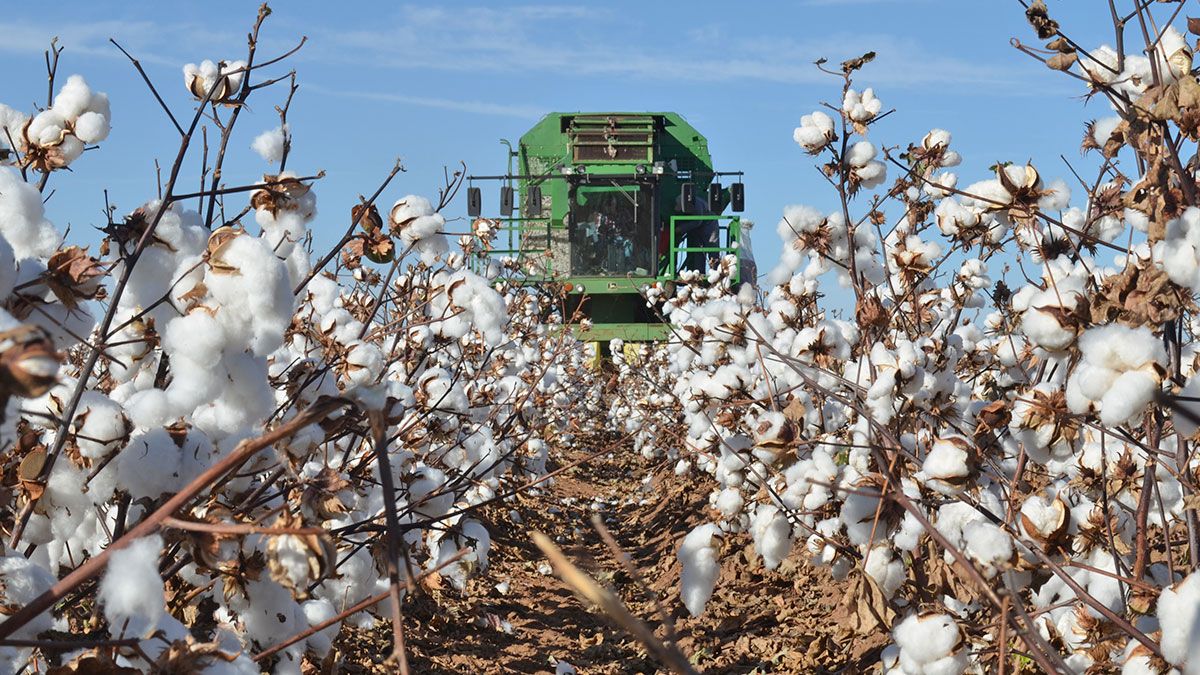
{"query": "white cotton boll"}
[(149, 408), (47, 128), (70, 149), (699, 567), (317, 612), (930, 644), (100, 426), (861, 107), (1184, 425), (946, 466), (860, 154), (1173, 55), (196, 336), (815, 132), (1100, 64), (1043, 328), (1112, 354), (270, 144), (21, 580), (730, 502), (8, 269), (1102, 129), (414, 219), (150, 466), (872, 175), (11, 123), (987, 545), (74, 98), (22, 218), (131, 589), (940, 184), (887, 571), (772, 534), (255, 301), (1058, 196), (1177, 610), (1128, 397), (92, 127), (364, 363), (1141, 664)]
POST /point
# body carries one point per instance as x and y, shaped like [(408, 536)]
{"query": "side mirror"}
[(474, 202), (506, 201), (737, 197), (687, 194), (714, 198), (533, 201)]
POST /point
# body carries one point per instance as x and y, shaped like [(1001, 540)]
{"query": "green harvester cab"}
[(608, 204)]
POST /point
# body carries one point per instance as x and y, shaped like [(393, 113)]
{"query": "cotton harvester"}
[(606, 204)]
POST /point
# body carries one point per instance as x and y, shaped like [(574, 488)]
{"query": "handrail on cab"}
[(733, 235)]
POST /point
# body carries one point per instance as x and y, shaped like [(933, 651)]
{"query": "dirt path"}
[(518, 618)]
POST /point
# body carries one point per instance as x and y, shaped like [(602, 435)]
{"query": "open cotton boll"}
[(21, 580), (1177, 612), (1102, 129), (413, 219), (815, 132), (70, 149), (860, 154), (930, 644), (131, 589), (861, 107), (100, 426), (47, 129), (270, 144), (1129, 394), (222, 79), (887, 570), (74, 98), (1120, 371), (1191, 390), (196, 336), (92, 127), (255, 300), (8, 269), (772, 534), (947, 465), (150, 466), (12, 122), (987, 545), (23, 218), (698, 567)]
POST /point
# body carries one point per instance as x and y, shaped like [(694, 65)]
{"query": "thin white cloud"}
[(569, 41), (476, 107)]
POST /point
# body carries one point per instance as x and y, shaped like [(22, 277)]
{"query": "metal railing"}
[(518, 237), (729, 231)]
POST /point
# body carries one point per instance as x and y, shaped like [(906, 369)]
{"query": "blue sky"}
[(437, 83)]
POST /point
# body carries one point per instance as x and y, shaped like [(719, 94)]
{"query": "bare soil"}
[(788, 620)]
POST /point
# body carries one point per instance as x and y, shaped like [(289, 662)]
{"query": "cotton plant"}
[(55, 137), (129, 371), (1002, 327)]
